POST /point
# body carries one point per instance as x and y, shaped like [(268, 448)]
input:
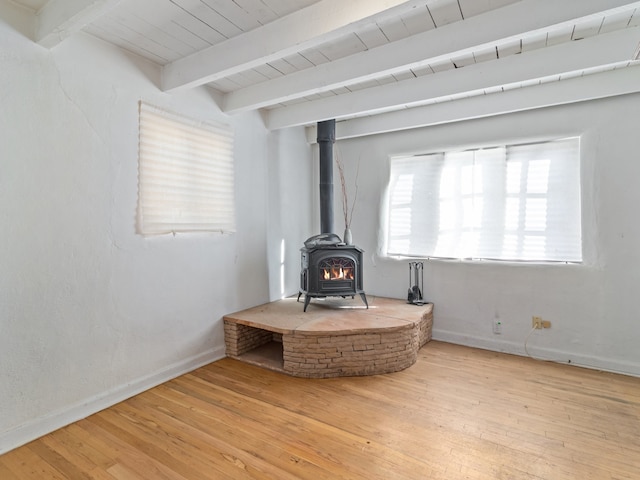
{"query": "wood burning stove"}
[(331, 270), (329, 266)]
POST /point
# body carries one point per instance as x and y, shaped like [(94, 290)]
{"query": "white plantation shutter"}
[(517, 202), (186, 180)]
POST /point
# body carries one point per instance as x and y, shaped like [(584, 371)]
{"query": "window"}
[(515, 202), (186, 181)]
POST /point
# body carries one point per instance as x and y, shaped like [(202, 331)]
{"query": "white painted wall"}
[(592, 307), (90, 312), (291, 194)]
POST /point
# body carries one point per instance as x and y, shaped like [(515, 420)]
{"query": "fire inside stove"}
[(330, 271), (337, 269)]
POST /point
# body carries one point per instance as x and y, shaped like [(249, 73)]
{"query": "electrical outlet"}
[(536, 322), (497, 327)]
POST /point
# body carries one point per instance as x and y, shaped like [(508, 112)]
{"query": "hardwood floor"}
[(458, 413)]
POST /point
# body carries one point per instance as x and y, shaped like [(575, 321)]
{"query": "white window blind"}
[(186, 179), (516, 202)]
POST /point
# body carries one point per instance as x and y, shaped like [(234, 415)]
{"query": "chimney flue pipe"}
[(326, 139)]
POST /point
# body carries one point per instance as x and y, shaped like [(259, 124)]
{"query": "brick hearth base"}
[(335, 337)]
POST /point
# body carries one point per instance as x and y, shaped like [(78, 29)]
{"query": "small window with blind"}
[(510, 203), (186, 174)]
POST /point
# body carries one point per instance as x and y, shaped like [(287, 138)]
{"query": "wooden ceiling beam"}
[(302, 29), (58, 19), (579, 89), (575, 56), (488, 30)]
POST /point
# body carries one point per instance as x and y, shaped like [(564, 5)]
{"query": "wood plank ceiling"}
[(302, 61)]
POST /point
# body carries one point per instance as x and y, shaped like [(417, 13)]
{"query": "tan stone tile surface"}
[(287, 315)]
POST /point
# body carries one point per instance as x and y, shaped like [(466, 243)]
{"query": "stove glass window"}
[(337, 268)]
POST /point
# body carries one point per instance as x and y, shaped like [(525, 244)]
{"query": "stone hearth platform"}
[(334, 337)]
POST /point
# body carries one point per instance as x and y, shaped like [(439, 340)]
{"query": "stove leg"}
[(307, 299), (299, 293), (364, 299)]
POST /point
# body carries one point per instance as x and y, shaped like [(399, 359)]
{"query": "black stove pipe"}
[(326, 139)]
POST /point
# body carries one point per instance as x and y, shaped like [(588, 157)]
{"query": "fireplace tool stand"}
[(416, 283)]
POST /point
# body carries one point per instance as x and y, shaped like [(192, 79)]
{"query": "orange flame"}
[(337, 273)]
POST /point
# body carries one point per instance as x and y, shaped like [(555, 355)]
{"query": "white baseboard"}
[(542, 353), (38, 427)]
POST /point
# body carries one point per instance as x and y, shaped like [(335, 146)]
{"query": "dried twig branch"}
[(347, 210)]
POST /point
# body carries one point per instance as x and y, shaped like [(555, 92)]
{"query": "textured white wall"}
[(291, 192), (90, 312), (592, 307)]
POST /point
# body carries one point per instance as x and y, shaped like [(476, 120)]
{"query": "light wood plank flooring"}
[(458, 413)]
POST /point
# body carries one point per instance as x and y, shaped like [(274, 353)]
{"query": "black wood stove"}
[(330, 270), (329, 267)]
